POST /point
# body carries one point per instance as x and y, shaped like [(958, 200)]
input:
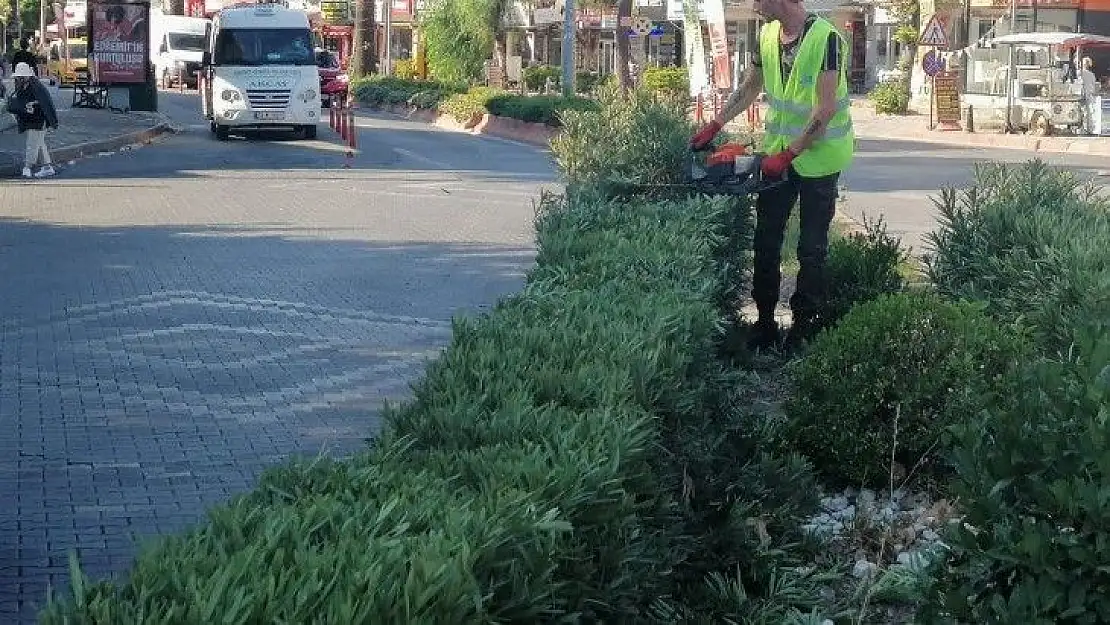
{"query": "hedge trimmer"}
[(729, 170)]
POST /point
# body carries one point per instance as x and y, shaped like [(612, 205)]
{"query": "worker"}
[(800, 63), (1089, 92)]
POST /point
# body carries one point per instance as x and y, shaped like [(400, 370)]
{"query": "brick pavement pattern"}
[(180, 317)]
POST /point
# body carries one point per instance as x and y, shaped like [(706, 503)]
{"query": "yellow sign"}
[(948, 98)]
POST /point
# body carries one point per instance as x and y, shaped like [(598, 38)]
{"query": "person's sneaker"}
[(26, 172), (46, 171), (764, 335)]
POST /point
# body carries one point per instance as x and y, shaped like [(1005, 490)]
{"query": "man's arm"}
[(827, 82), (750, 87)]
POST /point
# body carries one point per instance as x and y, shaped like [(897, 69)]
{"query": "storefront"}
[(400, 31)]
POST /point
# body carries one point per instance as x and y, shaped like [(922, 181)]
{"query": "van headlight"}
[(231, 95), (309, 95)]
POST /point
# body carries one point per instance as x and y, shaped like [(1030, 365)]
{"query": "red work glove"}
[(705, 135), (775, 165)]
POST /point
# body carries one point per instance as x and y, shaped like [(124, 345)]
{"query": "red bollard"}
[(342, 115), (331, 115), (352, 130)]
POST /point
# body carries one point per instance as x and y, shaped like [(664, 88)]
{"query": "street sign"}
[(932, 63), (947, 96), (934, 33)]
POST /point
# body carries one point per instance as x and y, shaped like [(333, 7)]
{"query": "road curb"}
[(80, 150), (531, 133)]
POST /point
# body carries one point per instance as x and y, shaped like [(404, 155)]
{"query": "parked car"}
[(333, 79)]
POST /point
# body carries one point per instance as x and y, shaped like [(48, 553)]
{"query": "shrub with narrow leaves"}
[(1031, 242), (1033, 483)]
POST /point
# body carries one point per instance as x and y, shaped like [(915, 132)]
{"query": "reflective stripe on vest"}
[(792, 101)]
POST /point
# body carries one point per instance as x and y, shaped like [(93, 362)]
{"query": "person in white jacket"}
[(1090, 93)]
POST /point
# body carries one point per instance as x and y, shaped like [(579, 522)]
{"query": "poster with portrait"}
[(119, 41)]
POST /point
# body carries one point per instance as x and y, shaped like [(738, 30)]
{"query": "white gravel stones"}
[(909, 523)]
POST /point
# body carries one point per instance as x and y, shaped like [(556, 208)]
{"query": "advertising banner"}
[(718, 43), (695, 49), (119, 35)]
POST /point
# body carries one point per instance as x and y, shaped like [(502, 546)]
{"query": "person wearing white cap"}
[(34, 112)]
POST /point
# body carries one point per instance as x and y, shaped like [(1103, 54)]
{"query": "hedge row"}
[(464, 103), (570, 457)]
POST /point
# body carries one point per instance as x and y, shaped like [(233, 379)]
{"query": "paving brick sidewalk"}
[(80, 132)]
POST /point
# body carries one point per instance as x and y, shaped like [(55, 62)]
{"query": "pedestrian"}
[(800, 63), (1090, 92), (34, 112), (24, 55)]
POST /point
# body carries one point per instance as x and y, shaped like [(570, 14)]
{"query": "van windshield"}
[(264, 46), (186, 41)]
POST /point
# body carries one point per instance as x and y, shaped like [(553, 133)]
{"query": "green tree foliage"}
[(461, 35)]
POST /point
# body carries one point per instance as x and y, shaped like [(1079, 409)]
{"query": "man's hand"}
[(705, 135), (775, 165)]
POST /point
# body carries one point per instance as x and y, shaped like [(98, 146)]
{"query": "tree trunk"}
[(624, 47), (364, 54), (499, 52)]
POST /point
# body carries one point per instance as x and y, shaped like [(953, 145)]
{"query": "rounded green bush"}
[(890, 97), (890, 377)]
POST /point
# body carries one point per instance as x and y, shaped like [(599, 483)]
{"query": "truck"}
[(176, 47), (57, 63), (259, 71)]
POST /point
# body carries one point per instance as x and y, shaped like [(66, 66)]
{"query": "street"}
[(180, 316)]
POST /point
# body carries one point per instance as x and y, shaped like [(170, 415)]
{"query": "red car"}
[(333, 80)]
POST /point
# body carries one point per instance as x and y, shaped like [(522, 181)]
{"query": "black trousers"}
[(818, 204)]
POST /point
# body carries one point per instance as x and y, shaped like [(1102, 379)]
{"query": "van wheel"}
[(222, 132), (308, 132)]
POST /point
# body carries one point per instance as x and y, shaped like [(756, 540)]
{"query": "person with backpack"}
[(34, 112)]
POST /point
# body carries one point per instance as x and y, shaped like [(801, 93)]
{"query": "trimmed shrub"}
[(670, 81), (536, 76), (861, 267), (889, 379), (538, 109), (1032, 481), (386, 90), (890, 98), (1031, 241), (468, 107)]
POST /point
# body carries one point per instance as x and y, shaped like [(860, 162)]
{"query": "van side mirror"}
[(162, 48)]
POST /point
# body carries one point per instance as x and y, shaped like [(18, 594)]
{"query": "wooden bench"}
[(88, 94)]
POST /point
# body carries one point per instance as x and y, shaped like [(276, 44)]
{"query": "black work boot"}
[(764, 334)]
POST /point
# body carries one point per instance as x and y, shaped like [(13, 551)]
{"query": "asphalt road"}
[(899, 180), (178, 317)]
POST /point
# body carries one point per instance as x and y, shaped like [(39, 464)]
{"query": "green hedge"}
[(529, 479), (462, 103)]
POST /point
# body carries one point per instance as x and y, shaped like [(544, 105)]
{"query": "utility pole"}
[(1011, 78), (568, 48), (387, 62)]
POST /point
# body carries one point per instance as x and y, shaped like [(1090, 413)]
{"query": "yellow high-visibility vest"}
[(791, 102)]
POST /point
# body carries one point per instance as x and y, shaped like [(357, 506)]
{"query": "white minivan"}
[(177, 45), (260, 71)]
